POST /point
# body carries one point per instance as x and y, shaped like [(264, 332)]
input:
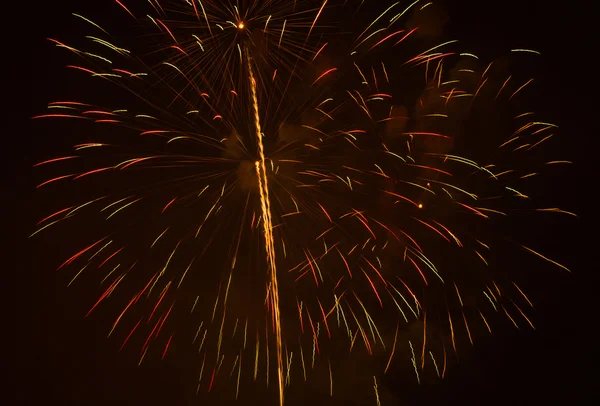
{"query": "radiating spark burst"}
[(262, 136)]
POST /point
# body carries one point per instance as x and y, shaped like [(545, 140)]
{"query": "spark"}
[(546, 259)]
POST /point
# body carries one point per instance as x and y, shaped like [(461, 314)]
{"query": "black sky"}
[(61, 358)]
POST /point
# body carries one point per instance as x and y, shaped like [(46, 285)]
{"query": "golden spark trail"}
[(263, 186)]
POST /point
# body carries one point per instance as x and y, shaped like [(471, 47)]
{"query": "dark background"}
[(63, 359)]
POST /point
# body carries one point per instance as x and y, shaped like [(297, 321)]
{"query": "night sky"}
[(63, 358)]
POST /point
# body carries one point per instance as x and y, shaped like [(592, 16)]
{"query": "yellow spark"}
[(330, 380), (531, 51), (557, 210), (376, 391), (520, 88), (75, 277), (158, 238), (511, 319), (434, 364), (486, 323), (523, 294), (451, 332), (468, 330), (316, 18), (397, 16), (414, 362), (121, 208), (545, 258)]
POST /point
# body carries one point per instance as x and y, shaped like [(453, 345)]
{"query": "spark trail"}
[(261, 173)]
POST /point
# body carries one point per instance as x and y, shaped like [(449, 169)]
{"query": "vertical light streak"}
[(261, 173)]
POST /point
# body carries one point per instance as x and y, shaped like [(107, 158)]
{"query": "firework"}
[(283, 184)]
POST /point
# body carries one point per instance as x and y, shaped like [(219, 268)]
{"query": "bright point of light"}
[(241, 25), (420, 206)]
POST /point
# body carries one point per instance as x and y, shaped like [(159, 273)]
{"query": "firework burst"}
[(284, 187)]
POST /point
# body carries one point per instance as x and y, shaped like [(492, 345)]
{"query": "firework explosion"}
[(286, 188)]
